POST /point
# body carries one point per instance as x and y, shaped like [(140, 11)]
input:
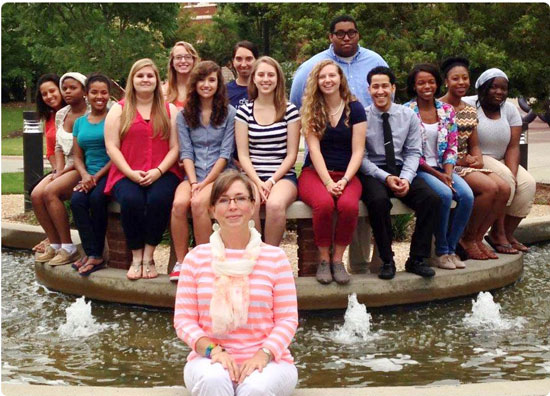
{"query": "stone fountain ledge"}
[(506, 388), (111, 284)]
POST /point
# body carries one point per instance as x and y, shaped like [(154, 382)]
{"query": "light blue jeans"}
[(452, 222)]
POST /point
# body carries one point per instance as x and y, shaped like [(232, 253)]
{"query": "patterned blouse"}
[(447, 132)]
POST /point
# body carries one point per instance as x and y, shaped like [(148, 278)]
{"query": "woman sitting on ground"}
[(48, 101), (141, 140), (334, 125), (267, 131), (490, 191), (206, 130), (48, 196), (439, 146), (236, 303), (89, 203), (183, 57), (499, 130)]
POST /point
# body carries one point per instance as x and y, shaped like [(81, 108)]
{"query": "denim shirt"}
[(355, 71), (204, 145)]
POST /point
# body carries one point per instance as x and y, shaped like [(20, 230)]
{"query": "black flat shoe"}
[(419, 267), (387, 271)]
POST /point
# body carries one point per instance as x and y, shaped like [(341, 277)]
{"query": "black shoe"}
[(387, 271), (419, 267)]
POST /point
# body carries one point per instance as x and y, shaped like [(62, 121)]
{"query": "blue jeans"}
[(90, 217), (451, 223)]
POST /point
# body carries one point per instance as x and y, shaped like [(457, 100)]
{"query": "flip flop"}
[(81, 262), (503, 248), (520, 246), (94, 268)]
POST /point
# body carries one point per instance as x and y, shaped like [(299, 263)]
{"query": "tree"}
[(85, 37)]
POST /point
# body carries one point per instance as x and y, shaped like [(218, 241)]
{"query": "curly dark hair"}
[(192, 109), (44, 111)]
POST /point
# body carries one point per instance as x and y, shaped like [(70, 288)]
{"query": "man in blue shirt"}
[(393, 150), (355, 61)]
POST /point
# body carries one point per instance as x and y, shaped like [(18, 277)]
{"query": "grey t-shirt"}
[(494, 135)]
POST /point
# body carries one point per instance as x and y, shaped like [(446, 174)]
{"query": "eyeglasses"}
[(342, 33), (179, 58), (240, 201)]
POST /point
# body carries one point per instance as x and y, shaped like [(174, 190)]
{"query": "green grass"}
[(12, 127), (12, 183), (12, 146), (12, 118)]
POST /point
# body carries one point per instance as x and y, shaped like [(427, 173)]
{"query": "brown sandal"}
[(520, 246), (474, 252), (486, 251)]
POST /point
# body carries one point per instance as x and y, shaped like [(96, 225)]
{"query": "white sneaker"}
[(446, 262), (175, 274), (459, 264)]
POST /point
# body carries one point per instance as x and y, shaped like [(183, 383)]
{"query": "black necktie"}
[(388, 145)]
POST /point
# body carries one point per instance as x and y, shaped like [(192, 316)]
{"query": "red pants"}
[(313, 192)]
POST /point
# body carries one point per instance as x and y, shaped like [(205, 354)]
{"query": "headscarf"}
[(81, 78), (489, 74), (230, 298)]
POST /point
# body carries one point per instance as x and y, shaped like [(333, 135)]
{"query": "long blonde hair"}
[(160, 122), (314, 108), (172, 85), (279, 98)]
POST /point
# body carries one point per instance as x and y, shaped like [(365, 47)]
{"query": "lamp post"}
[(32, 153)]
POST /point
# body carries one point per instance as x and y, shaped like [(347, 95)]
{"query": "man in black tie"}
[(392, 155)]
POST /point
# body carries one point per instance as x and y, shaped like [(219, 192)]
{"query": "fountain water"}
[(428, 343), (486, 315)]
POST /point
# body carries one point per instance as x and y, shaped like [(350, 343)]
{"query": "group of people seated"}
[(197, 147)]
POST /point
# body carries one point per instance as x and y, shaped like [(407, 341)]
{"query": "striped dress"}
[(272, 314), (267, 144)]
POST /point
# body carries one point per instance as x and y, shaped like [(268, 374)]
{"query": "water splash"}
[(356, 323), (486, 315), (80, 322), (381, 364)]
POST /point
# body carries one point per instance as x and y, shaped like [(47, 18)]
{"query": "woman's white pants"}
[(202, 378)]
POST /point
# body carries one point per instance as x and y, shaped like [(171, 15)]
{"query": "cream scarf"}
[(230, 299)]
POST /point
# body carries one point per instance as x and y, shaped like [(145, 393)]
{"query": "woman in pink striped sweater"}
[(236, 303)]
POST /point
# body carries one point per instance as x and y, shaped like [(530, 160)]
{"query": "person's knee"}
[(50, 194), (199, 206), (215, 380), (254, 388), (467, 196), (379, 205), (180, 207), (348, 208), (78, 201), (132, 202), (324, 207), (275, 209), (37, 196), (504, 191)]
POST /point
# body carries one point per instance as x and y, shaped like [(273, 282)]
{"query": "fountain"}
[(53, 338)]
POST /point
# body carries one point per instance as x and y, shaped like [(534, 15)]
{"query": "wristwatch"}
[(268, 353)]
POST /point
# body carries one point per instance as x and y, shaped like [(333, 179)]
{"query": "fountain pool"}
[(52, 338)]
